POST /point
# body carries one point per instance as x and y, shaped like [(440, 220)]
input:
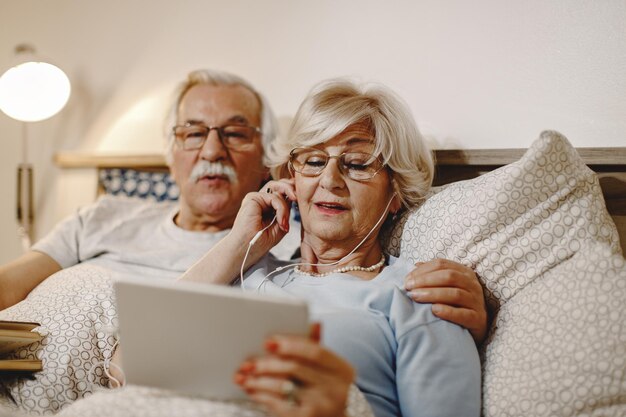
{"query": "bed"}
[(539, 228)]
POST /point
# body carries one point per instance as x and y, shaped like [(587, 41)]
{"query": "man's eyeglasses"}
[(358, 166), (191, 136)]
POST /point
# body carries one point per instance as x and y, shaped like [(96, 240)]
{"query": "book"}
[(20, 365), (14, 335)]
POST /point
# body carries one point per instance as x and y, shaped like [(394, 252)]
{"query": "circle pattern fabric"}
[(77, 316), (511, 224), (556, 348), (560, 345)]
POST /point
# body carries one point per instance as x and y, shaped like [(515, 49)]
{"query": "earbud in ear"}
[(396, 193), (396, 187)]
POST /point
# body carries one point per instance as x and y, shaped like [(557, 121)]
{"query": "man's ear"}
[(265, 177), (172, 173)]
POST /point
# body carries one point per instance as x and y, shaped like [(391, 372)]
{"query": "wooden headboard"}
[(452, 165), (608, 163)]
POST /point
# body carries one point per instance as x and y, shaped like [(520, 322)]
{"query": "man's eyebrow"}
[(238, 119), (234, 119)]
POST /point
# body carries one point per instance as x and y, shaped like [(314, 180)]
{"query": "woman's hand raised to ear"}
[(454, 291), (253, 234), (298, 377), (258, 210)]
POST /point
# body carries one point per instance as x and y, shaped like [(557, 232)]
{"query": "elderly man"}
[(219, 125)]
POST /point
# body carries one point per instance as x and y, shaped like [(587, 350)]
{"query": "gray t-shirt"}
[(129, 237)]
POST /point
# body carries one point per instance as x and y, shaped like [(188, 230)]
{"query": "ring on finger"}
[(290, 392)]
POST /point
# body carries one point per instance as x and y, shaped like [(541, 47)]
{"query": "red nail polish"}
[(247, 367), (271, 346), (239, 379), (316, 332)]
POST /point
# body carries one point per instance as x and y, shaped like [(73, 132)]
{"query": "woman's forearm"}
[(222, 264)]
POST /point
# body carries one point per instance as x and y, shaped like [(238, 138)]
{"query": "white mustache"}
[(205, 168)]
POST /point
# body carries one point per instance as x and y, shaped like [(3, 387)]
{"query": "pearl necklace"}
[(343, 269)]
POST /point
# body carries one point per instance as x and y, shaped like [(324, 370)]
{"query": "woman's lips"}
[(330, 208)]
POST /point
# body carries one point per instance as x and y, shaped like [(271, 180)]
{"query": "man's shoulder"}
[(123, 205), (117, 210)]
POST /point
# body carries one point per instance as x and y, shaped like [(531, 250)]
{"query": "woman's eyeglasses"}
[(358, 166)]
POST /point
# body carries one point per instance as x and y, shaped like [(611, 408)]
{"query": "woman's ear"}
[(396, 202)]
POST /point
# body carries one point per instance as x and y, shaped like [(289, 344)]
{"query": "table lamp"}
[(30, 91)]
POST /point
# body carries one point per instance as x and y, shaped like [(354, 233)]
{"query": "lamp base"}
[(25, 212)]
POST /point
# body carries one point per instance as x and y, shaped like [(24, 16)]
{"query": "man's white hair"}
[(218, 78), (334, 105)]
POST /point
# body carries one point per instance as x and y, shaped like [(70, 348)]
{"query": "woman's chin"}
[(329, 234)]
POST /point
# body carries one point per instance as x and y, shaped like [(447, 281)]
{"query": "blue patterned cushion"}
[(157, 186)]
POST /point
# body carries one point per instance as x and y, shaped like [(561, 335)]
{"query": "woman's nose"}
[(331, 175)]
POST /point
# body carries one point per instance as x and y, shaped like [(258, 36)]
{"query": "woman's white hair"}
[(218, 78), (334, 105)]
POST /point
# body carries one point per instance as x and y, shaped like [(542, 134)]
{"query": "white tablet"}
[(192, 337)]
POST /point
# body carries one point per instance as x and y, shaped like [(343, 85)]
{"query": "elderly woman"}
[(354, 157)]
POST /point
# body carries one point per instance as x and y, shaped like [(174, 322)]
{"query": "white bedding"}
[(77, 315), (134, 401)]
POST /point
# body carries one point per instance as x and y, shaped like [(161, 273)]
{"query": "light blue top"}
[(408, 361)]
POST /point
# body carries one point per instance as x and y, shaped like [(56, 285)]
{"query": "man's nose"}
[(213, 149)]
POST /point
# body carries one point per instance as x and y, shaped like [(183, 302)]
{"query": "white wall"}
[(480, 74)]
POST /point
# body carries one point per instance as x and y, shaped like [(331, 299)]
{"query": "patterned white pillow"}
[(529, 229), (559, 348), (77, 315), (514, 223)]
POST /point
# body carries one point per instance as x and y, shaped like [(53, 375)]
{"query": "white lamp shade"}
[(33, 91)]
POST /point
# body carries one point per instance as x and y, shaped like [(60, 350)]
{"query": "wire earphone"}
[(250, 244)]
